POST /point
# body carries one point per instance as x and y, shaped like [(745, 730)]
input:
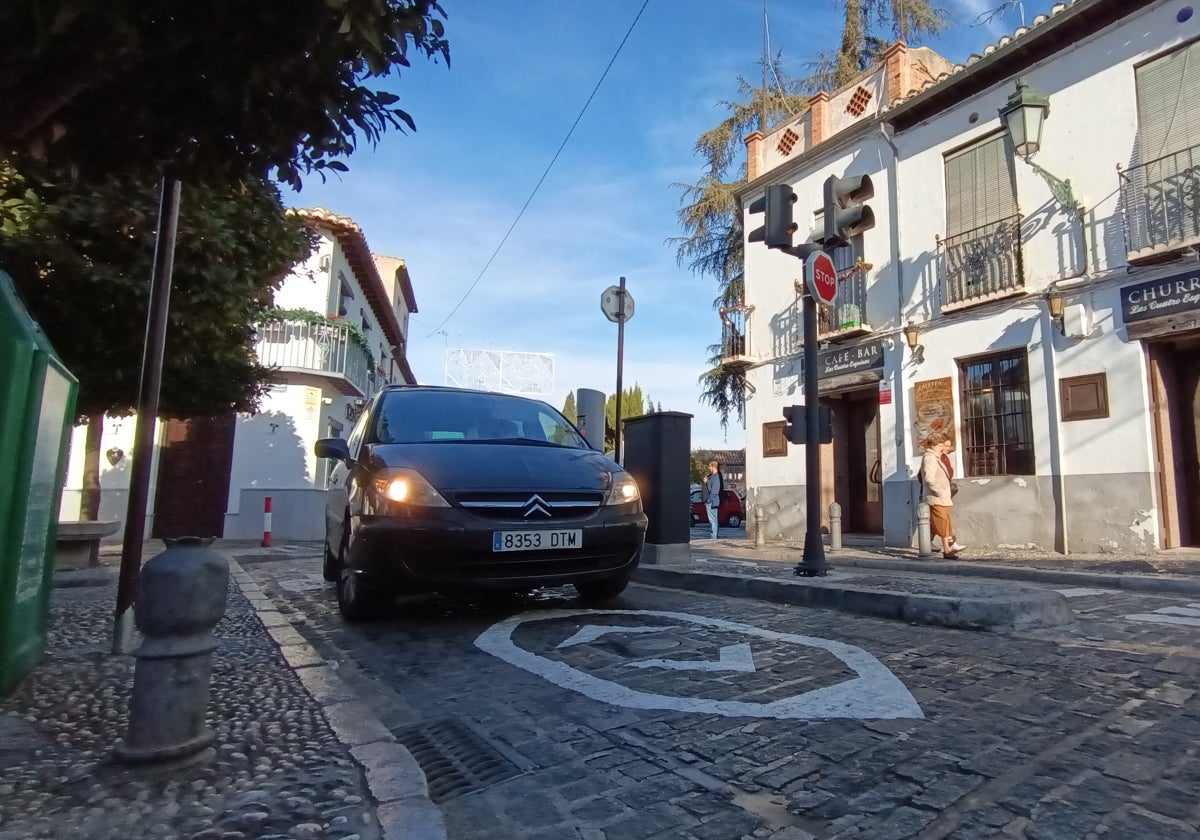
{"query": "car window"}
[(356, 434), (419, 415)]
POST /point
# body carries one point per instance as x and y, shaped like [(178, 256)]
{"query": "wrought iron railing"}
[(1162, 202), (983, 261), (735, 334), (849, 310), (324, 349)]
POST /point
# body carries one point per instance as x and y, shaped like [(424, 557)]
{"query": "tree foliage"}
[(633, 404), (217, 91), (81, 251), (712, 244), (569, 409)]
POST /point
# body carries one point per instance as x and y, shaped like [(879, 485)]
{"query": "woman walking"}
[(938, 488)]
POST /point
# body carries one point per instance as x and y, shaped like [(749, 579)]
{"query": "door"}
[(193, 478), (1175, 412), (852, 473), (1186, 416)]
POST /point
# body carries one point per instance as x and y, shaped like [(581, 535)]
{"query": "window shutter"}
[(980, 187), (1168, 120)]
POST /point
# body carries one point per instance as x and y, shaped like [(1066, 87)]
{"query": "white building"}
[(1054, 328), (339, 334)]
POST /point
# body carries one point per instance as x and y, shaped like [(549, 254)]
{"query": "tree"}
[(713, 242), (211, 90), (80, 252), (698, 467), (569, 409), (633, 404)]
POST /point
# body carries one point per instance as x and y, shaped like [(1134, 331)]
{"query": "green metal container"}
[(37, 409)]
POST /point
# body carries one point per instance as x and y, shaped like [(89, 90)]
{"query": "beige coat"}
[(936, 481)]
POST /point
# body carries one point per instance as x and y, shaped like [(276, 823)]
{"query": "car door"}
[(337, 499)]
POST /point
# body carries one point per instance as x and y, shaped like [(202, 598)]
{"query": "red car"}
[(731, 513)]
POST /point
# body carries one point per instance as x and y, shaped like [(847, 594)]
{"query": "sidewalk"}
[(297, 756)]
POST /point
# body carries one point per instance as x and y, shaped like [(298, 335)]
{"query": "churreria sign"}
[(1165, 296)]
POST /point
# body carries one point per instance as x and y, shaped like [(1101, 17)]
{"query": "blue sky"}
[(443, 197)]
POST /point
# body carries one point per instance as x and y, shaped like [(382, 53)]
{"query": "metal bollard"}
[(835, 526), (181, 598), (924, 542), (760, 537)]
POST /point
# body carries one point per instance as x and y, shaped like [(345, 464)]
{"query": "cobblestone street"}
[(669, 714)]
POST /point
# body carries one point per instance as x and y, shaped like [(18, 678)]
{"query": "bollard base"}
[(188, 751)]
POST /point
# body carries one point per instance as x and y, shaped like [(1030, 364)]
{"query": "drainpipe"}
[(1049, 359), (894, 232)]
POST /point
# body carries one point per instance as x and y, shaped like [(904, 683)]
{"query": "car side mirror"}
[(335, 448)]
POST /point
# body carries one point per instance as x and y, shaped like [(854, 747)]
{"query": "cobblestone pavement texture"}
[(1087, 730)]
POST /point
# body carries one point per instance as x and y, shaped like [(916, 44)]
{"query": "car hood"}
[(452, 466)]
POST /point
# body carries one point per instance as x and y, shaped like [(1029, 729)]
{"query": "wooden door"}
[(864, 472), (1186, 415), (193, 478)]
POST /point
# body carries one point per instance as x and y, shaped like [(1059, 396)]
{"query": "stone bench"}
[(77, 544)]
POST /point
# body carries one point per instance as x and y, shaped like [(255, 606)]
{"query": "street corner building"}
[(1029, 286), (337, 334)]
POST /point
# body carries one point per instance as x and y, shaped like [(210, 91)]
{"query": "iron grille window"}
[(997, 420)]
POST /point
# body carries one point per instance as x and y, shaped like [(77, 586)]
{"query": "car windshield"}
[(421, 415)]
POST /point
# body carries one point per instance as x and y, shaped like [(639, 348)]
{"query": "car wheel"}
[(598, 590), (331, 564), (357, 599), (734, 520)]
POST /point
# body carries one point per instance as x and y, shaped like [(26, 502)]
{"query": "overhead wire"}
[(549, 166)]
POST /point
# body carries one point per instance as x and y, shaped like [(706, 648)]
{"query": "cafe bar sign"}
[(857, 359), (1166, 296)]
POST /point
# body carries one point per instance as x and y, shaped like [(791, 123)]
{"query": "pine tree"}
[(569, 409)]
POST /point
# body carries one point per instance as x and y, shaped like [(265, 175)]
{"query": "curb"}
[(1020, 611), (396, 781)]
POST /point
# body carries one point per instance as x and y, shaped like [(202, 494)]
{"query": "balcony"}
[(321, 349), (848, 315), (1162, 206), (982, 264), (735, 336)]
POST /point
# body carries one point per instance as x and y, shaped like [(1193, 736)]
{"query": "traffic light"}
[(796, 429), (845, 213), (776, 207)]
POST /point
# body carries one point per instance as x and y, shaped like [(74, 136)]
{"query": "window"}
[(982, 244), (997, 425), (851, 306), (1162, 188), (774, 442)]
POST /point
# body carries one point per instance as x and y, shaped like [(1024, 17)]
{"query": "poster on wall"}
[(933, 406)]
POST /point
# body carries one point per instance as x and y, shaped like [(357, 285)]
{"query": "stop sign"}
[(821, 277)]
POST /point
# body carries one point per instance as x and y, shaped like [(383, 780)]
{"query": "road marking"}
[(1082, 593), (308, 583), (591, 632), (1160, 618), (876, 693), (732, 658)]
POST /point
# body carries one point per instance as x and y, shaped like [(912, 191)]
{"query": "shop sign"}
[(934, 405), (856, 359), (1165, 296)]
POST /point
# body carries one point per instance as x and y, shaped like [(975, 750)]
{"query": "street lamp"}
[(1023, 115), (1054, 303), (912, 337)]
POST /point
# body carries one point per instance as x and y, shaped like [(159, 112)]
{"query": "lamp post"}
[(1023, 116)]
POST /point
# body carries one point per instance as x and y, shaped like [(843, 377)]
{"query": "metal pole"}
[(813, 563), (620, 364), (147, 412)]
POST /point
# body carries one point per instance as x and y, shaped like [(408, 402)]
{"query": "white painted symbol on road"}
[(1080, 592), (307, 583), (591, 632), (1189, 615), (733, 658), (875, 693)]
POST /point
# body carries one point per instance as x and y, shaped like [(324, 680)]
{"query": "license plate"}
[(536, 540)]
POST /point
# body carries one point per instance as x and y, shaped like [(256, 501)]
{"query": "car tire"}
[(331, 565), (734, 520), (357, 599), (603, 589)]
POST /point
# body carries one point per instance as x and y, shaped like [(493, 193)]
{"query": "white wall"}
[(118, 438)]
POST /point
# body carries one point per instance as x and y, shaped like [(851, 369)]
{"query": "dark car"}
[(447, 489), (731, 512)]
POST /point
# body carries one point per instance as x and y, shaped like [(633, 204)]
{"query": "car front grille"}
[(530, 508)]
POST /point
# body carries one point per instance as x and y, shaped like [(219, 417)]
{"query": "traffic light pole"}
[(813, 563)]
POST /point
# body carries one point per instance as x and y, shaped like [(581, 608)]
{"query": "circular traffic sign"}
[(821, 277)]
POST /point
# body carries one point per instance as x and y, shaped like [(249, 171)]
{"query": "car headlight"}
[(408, 487), (623, 491)]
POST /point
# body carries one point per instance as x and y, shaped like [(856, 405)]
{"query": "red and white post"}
[(266, 541)]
